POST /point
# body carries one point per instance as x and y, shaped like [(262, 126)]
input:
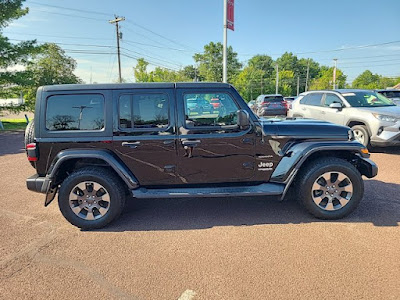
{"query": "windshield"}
[(367, 99)]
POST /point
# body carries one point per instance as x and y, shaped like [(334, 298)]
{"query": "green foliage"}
[(14, 124), (368, 80), (325, 79), (210, 62)]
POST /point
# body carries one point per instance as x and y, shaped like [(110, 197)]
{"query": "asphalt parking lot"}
[(239, 248)]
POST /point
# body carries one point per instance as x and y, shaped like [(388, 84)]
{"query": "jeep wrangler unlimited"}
[(97, 144)]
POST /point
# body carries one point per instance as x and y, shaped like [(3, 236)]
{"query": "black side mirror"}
[(243, 118)]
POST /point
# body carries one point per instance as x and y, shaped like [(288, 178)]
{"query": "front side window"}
[(330, 98), (199, 111), (143, 111), (75, 112)]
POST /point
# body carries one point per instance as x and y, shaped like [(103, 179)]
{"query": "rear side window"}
[(143, 111), (312, 99), (75, 112)]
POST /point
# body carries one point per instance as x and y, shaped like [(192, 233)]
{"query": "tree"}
[(367, 80), (325, 79), (210, 62), (248, 82), (140, 71), (13, 54), (50, 66)]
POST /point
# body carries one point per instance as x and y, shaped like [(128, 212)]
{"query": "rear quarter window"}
[(75, 112)]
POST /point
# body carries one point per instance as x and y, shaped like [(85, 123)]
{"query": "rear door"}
[(211, 147), (311, 106), (144, 134)]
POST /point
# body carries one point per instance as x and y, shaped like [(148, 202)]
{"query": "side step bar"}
[(267, 189)]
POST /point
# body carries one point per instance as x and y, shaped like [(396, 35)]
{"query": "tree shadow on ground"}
[(11, 142), (380, 206)]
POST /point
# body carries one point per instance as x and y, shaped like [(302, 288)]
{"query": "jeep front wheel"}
[(91, 198), (330, 188)]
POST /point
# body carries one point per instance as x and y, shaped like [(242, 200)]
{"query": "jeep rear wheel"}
[(91, 198), (330, 188)]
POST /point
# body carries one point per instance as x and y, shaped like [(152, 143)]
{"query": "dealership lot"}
[(199, 249)]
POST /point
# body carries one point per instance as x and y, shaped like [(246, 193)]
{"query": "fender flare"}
[(114, 162), (296, 155)]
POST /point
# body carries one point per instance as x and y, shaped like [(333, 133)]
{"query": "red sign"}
[(230, 15)]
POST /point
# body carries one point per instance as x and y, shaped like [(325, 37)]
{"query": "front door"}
[(144, 134), (212, 148), (329, 114)]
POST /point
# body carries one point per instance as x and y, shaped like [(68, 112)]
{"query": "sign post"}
[(228, 24)]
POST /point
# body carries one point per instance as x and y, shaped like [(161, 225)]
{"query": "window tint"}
[(143, 111), (200, 112), (330, 98), (75, 112), (273, 99), (312, 99)]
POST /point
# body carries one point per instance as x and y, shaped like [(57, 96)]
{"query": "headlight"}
[(386, 118)]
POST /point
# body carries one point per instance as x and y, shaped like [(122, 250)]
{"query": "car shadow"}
[(387, 150), (380, 206), (11, 142)]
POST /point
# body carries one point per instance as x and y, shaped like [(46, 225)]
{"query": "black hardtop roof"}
[(147, 85)]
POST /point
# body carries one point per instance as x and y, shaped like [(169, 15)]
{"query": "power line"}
[(73, 9)]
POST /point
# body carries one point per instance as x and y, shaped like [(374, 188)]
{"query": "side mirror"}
[(336, 105), (243, 118)]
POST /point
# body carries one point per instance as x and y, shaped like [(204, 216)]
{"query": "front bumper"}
[(38, 184), (367, 167), (389, 136)]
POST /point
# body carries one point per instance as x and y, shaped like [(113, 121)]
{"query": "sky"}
[(361, 34)]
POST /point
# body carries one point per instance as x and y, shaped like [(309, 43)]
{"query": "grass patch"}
[(14, 124)]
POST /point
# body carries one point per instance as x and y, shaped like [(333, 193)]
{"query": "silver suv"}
[(375, 119)]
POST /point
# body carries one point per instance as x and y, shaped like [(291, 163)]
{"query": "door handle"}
[(190, 143), (131, 144)]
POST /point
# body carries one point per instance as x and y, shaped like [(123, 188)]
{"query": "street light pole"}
[(334, 73)]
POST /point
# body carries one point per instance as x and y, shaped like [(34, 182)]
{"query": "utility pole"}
[(298, 85), (116, 21), (225, 47), (277, 79), (334, 73), (308, 72)]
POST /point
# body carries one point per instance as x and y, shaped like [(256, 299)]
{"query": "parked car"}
[(138, 141), (271, 105), (252, 104), (374, 118), (199, 105), (392, 94), (289, 100), (216, 103)]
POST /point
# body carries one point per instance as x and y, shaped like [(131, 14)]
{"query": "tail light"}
[(284, 103), (266, 104), (31, 151)]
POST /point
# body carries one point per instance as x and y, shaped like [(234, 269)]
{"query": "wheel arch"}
[(70, 160), (354, 122), (302, 154)]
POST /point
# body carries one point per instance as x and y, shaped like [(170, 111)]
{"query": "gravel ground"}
[(239, 248)]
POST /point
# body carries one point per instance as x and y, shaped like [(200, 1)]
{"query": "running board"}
[(266, 189)]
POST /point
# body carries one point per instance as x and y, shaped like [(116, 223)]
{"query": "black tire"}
[(363, 129), (308, 176), (106, 179), (30, 137)]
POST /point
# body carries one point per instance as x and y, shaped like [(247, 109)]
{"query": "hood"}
[(305, 129), (383, 110)]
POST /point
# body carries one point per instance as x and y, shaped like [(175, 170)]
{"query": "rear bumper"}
[(273, 112), (38, 184)]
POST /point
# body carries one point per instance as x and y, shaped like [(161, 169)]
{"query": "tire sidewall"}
[(116, 201), (365, 131), (358, 191)]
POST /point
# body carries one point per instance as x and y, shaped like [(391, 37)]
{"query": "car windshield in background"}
[(367, 99)]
